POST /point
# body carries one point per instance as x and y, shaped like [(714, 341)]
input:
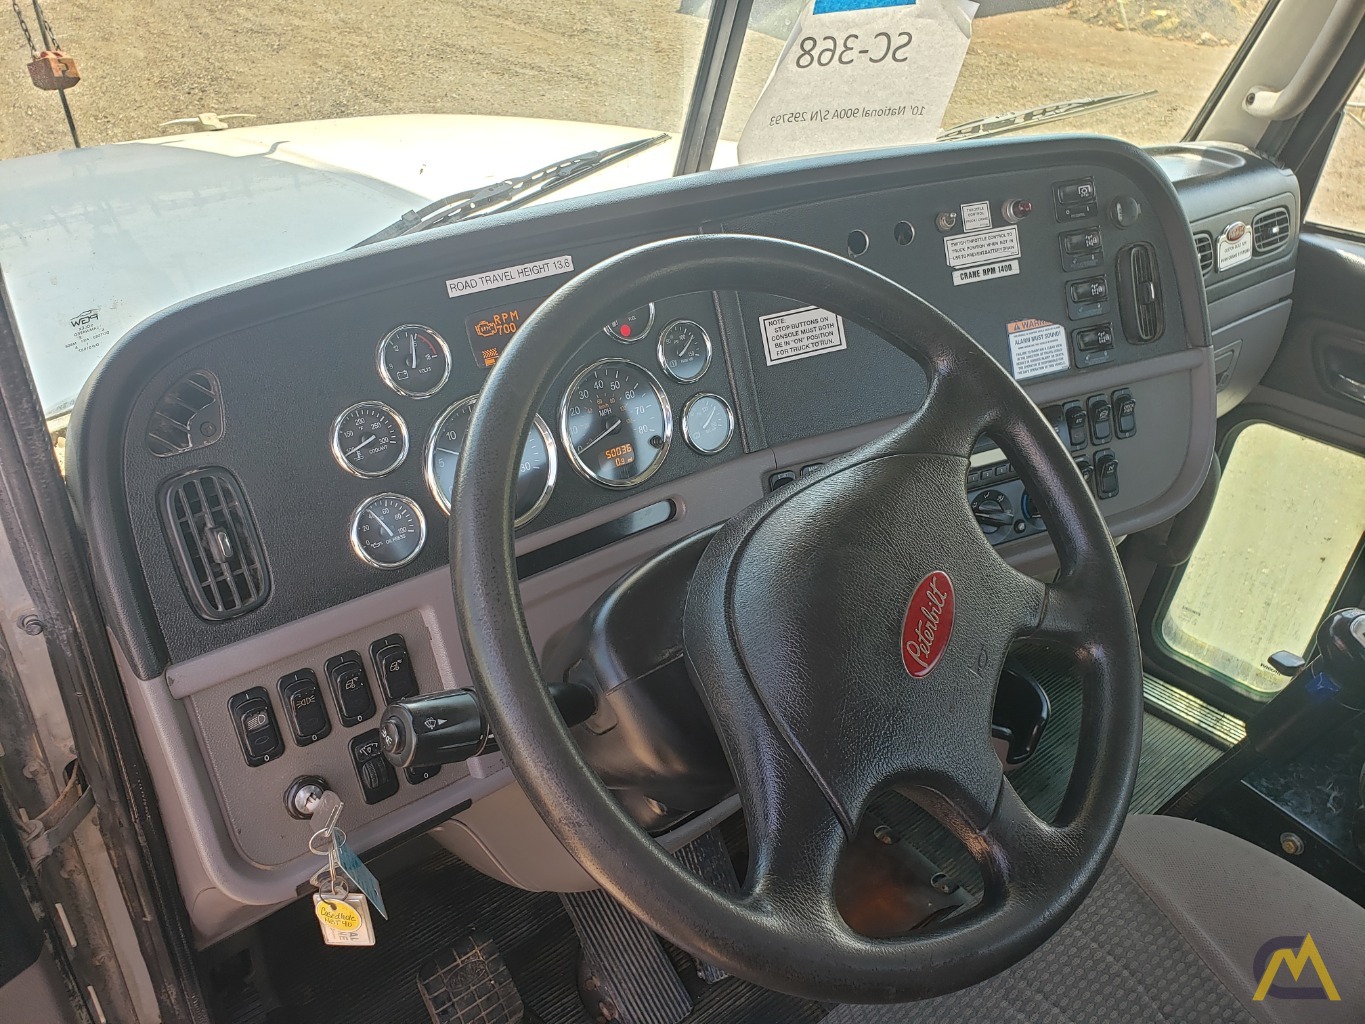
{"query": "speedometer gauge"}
[(369, 439), (616, 423), (535, 472), (414, 360), (388, 530)]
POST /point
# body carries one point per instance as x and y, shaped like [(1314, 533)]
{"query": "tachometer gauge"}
[(388, 531), (535, 472), (413, 360), (615, 423), (369, 439), (684, 350), (633, 326), (707, 423)]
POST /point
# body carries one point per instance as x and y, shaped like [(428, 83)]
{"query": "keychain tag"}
[(358, 873), (345, 920)]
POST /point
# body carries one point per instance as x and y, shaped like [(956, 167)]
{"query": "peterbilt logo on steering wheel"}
[(928, 624)]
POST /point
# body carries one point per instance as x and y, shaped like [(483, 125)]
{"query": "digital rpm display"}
[(615, 423)]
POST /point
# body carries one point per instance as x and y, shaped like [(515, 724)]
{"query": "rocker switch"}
[(254, 721), (350, 688), (393, 666)]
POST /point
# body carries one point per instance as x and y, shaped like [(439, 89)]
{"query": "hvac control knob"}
[(992, 511), (1030, 507)]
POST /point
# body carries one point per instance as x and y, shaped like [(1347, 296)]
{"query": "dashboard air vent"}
[(1140, 293), (189, 415), (216, 546), (1203, 245), (1270, 231)]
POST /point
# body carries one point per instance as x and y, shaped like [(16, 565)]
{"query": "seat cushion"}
[(1170, 935)]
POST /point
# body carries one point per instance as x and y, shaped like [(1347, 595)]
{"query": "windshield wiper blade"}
[(511, 192), (1017, 120)]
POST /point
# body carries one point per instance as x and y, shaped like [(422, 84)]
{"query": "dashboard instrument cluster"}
[(613, 421)]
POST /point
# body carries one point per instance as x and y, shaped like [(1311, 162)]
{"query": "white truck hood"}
[(94, 240)]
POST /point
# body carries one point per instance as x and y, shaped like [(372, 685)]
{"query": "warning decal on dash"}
[(982, 247), (1037, 347), (799, 333), (985, 272)]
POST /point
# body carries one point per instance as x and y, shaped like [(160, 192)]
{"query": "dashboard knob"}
[(1125, 211), (1029, 507), (992, 511)]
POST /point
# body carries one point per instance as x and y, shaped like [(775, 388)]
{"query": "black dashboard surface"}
[(291, 351)]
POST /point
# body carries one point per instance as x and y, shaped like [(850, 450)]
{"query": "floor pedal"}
[(469, 984), (627, 976), (708, 859)]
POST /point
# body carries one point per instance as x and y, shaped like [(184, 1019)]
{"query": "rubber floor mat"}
[(434, 902)]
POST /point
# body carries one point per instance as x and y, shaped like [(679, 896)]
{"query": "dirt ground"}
[(618, 61)]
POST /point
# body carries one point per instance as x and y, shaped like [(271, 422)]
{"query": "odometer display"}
[(388, 531), (535, 472), (615, 423)]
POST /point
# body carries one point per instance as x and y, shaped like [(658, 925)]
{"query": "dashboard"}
[(264, 474)]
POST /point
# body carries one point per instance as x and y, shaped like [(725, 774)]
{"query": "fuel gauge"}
[(684, 350)]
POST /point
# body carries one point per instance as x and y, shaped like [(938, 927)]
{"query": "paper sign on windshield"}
[(860, 74)]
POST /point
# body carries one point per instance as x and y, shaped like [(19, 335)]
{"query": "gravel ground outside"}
[(624, 62)]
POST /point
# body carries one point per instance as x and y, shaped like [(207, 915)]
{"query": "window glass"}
[(1338, 200), (1284, 529), (1027, 53)]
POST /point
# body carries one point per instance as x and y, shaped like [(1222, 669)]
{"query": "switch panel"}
[(257, 731), (378, 780), (350, 688), (304, 708), (393, 668)]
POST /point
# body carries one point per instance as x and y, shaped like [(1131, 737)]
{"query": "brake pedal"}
[(469, 984)]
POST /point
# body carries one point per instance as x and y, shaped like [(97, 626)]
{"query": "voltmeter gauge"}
[(535, 472), (633, 326), (388, 531), (684, 350), (414, 360), (369, 439), (616, 423), (708, 423)]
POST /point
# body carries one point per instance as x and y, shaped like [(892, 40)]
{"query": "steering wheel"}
[(846, 634)]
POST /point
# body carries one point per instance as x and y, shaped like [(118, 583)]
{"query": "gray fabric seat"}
[(1169, 936)]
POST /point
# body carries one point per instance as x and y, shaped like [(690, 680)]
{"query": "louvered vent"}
[(216, 546), (189, 415), (1203, 245), (1270, 231), (1140, 293)]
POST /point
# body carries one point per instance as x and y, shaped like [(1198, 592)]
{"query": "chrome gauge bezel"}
[(359, 548), (578, 464), (659, 350), (392, 384), (434, 485), (729, 415), (649, 324), (339, 455)]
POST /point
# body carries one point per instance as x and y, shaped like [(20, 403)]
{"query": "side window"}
[(1338, 201), (1284, 532)]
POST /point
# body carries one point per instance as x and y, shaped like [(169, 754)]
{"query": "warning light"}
[(624, 330)]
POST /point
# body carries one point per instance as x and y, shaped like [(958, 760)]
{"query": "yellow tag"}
[(338, 915)]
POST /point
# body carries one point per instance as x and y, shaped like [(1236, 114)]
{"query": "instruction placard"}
[(801, 333), (985, 272), (860, 74), (1037, 347), (982, 247)]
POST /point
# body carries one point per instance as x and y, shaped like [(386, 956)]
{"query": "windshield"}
[(222, 142)]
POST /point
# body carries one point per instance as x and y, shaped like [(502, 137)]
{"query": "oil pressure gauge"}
[(388, 531)]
